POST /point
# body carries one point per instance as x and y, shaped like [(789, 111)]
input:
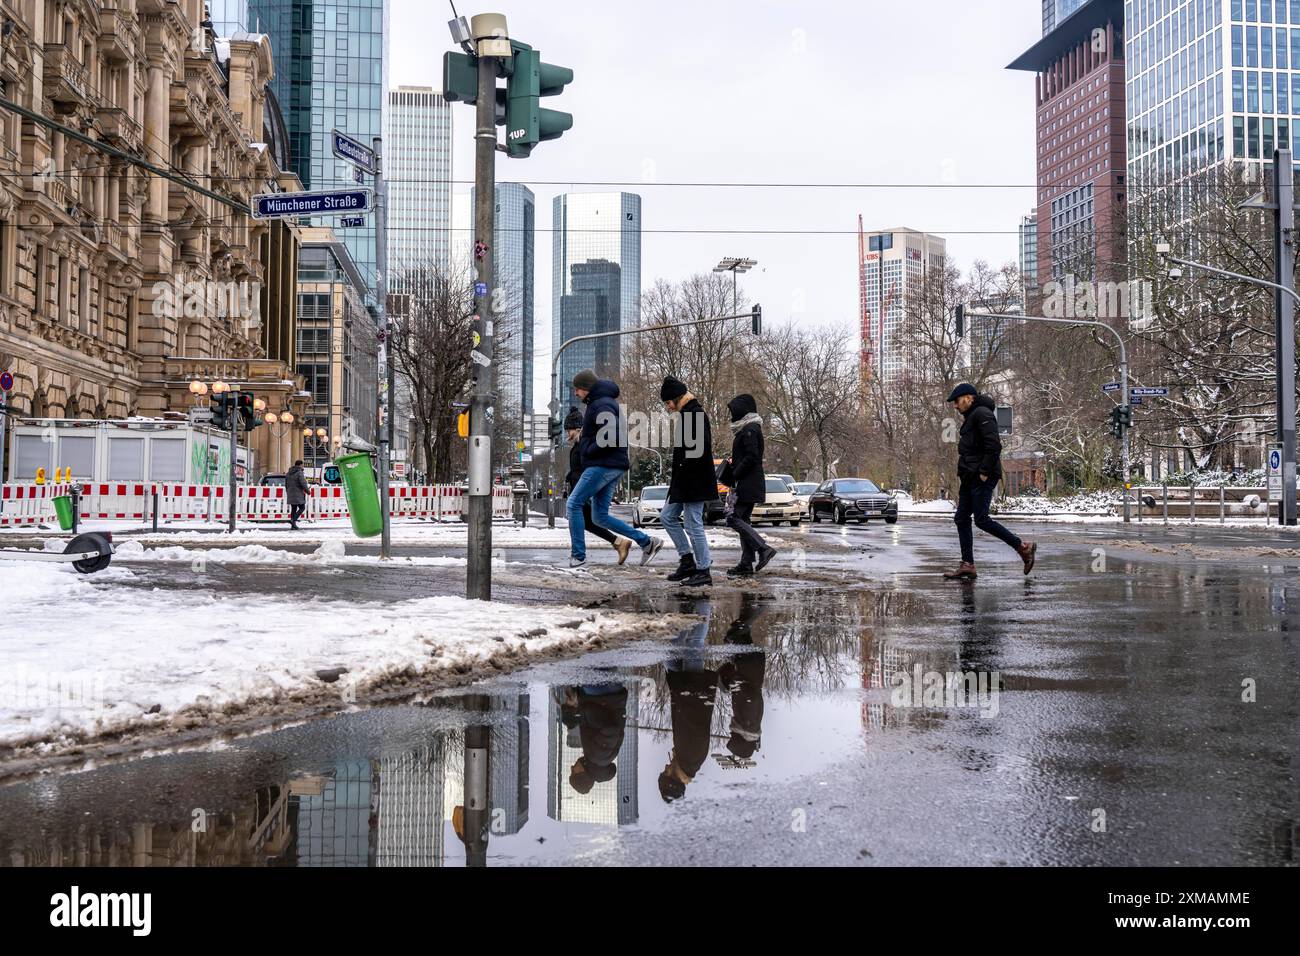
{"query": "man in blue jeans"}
[(693, 483), (979, 466), (603, 448)]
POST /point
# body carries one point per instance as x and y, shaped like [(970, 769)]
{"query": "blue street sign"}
[(1110, 387), (6, 381), (1135, 400), (1150, 392), (1274, 456), (354, 151), (292, 205), (480, 288), (353, 221), (359, 175)]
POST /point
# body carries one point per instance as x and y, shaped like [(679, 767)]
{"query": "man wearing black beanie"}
[(693, 483)]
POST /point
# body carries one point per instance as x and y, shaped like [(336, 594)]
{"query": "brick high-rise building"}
[(1081, 169)]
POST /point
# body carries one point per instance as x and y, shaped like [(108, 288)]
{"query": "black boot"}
[(700, 579), (685, 568), (741, 570)]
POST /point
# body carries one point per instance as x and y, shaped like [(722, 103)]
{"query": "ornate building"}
[(117, 286)]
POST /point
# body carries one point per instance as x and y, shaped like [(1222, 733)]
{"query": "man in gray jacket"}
[(295, 490)]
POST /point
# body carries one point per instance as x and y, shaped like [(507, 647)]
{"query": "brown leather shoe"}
[(1027, 550), (622, 546), (964, 572)]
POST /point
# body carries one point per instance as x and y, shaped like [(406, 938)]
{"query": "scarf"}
[(753, 418)]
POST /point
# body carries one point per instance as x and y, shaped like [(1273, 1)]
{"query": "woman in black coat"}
[(744, 474)]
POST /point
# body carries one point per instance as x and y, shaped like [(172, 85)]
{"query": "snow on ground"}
[(329, 554), (85, 656)]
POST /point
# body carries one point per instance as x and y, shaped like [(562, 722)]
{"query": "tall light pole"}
[(734, 266)]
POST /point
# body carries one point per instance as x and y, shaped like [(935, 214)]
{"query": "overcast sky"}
[(779, 92)]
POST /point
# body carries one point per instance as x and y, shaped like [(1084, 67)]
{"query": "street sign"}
[(1275, 473), (1135, 400), (352, 222), (1150, 392), (359, 175), (354, 151), (6, 381), (480, 288), (293, 205), (1111, 387)]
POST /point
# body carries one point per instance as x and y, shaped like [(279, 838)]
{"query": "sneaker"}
[(622, 546), (648, 551), (764, 556), (577, 564), (740, 571), (685, 568), (1027, 550), (963, 572), (698, 579)]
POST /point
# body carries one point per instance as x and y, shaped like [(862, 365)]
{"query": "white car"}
[(802, 490), (781, 504), (788, 479), (648, 507)]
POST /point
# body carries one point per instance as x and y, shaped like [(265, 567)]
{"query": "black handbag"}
[(725, 475)]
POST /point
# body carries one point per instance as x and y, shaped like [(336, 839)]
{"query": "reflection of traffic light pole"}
[(755, 316), (1125, 411), (473, 818)]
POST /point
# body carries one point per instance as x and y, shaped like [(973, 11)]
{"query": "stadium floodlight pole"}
[(755, 315), (1123, 375), (1285, 328)]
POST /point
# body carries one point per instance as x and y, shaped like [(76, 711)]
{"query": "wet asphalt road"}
[(1114, 731)]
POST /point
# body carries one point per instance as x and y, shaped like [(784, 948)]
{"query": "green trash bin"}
[(363, 496), (63, 508)]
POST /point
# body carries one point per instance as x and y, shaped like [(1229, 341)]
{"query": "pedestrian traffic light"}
[(527, 123), (1117, 421), (1126, 416), (961, 320), (758, 319), (221, 413), (553, 429), (459, 77)]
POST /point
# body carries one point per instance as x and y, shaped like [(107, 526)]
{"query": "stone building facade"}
[(119, 287)]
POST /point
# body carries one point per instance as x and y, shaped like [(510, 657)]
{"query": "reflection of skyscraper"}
[(596, 279), (410, 831), (611, 802), (507, 722), (334, 826)]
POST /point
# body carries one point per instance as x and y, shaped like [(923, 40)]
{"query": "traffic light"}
[(459, 77), (758, 319), (553, 430), (1117, 421), (961, 321), (527, 123), (462, 424), (1126, 416), (247, 413), (221, 412)]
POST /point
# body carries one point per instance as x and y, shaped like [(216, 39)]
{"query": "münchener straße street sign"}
[(292, 205)]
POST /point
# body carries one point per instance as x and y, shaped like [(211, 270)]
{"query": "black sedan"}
[(852, 499)]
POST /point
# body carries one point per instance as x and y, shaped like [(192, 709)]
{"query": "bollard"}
[(76, 509), (153, 504), (1191, 503), (1222, 519), (1139, 504), (1166, 504)]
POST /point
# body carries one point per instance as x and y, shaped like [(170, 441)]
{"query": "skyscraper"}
[(513, 259), (331, 71), (417, 164), (1081, 147), (1055, 11), (596, 280), (1029, 254), (894, 266)]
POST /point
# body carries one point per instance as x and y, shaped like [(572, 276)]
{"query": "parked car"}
[(852, 499), (647, 509), (780, 505), (802, 492), (788, 479), (274, 480)]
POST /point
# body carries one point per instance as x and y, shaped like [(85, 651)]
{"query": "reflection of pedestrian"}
[(979, 466), (295, 492), (573, 426), (602, 718), (743, 474), (693, 483), (742, 675)]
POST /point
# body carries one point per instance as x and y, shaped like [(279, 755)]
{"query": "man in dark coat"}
[(573, 427), (295, 492), (979, 466), (603, 447), (693, 483), (743, 474)]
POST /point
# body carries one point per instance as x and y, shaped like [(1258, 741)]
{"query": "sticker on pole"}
[(480, 359), (480, 288), (6, 381)]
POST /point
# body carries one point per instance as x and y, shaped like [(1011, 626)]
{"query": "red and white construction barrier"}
[(28, 504)]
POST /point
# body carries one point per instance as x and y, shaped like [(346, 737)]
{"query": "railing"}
[(66, 80), (1194, 503)]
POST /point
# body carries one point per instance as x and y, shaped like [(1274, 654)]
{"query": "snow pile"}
[(85, 656), (329, 553), (1086, 503), (940, 506)]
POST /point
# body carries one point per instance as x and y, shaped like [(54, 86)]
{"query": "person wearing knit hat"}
[(693, 484), (979, 467), (602, 445), (743, 474), (573, 429)]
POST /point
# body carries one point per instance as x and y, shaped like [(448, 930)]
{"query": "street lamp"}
[(734, 266), (284, 420)]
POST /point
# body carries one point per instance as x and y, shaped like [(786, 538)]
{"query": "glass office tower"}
[(596, 281), (330, 73), (418, 165)]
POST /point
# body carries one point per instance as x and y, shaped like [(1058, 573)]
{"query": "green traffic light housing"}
[(527, 123)]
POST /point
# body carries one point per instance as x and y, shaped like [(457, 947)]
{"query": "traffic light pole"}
[(756, 314), (385, 369), (478, 573), (1123, 379), (234, 452)]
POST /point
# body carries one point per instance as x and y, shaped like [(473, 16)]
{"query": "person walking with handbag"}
[(743, 474)]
